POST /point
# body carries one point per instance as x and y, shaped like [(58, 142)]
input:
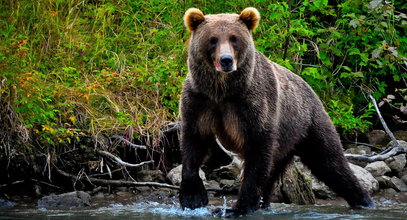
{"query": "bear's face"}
[(221, 41)]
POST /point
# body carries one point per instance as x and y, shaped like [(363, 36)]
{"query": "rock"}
[(212, 184), (4, 203), (404, 178), (360, 149), (384, 182), (151, 176), (229, 172), (377, 137), (124, 194), (390, 192), (99, 195), (65, 200), (365, 178), (364, 150), (400, 135), (401, 143), (175, 175), (377, 168), (322, 191), (397, 163), (398, 184), (230, 186), (294, 186)]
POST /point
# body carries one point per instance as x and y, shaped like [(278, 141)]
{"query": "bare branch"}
[(235, 158), (391, 135), (380, 157), (136, 146), (116, 182), (121, 162)]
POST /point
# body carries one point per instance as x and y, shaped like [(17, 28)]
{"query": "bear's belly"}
[(226, 126)]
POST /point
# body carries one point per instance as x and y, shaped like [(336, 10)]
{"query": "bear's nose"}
[(226, 62)]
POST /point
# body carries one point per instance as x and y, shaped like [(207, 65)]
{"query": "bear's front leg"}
[(194, 148), (255, 175)]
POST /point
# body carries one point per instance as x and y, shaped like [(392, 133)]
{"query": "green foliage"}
[(73, 66)]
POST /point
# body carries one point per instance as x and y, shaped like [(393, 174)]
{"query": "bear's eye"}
[(233, 39), (213, 40)]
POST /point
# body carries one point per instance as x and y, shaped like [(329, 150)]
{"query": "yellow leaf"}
[(72, 118)]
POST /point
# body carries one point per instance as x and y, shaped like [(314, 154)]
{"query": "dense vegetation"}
[(81, 68)]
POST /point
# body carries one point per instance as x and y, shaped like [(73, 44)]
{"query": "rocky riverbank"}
[(386, 180)]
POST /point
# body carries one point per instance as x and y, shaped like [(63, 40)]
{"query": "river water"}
[(170, 210)]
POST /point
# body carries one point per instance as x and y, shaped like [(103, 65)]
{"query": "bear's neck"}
[(218, 86)]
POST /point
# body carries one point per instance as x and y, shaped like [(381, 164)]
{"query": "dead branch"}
[(380, 157), (391, 135), (116, 182), (121, 162), (394, 148), (136, 146), (236, 161)]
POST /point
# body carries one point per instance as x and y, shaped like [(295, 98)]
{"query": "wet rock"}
[(404, 178), (151, 176), (360, 149), (377, 137), (229, 172), (389, 192), (397, 163), (294, 186), (124, 194), (377, 168), (322, 191), (401, 143), (212, 184), (4, 203), (365, 178), (398, 184), (175, 175), (65, 200), (384, 182), (401, 135), (364, 150), (99, 195)]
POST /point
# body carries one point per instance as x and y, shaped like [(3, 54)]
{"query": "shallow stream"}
[(170, 210)]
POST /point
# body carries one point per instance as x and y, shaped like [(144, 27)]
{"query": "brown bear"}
[(256, 108)]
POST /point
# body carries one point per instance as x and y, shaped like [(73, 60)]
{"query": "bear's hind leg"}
[(322, 153)]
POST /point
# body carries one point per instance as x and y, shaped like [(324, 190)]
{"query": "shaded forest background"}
[(74, 69)]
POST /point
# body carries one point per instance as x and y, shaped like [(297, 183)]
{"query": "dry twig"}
[(121, 162), (116, 182), (136, 146)]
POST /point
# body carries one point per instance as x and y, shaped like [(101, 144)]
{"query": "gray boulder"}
[(404, 178), (377, 137), (398, 184), (377, 168), (65, 200), (365, 178), (175, 175), (384, 182), (397, 163)]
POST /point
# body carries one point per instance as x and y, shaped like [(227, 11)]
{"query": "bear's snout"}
[(226, 63)]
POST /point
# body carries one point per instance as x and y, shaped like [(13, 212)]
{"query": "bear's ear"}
[(192, 18), (251, 17)]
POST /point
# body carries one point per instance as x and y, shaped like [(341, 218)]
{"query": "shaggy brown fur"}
[(259, 110)]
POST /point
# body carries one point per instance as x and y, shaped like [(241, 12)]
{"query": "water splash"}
[(224, 207)]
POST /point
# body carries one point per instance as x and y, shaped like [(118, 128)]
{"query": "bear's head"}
[(223, 42)]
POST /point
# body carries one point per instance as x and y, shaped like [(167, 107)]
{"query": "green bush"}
[(74, 67)]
